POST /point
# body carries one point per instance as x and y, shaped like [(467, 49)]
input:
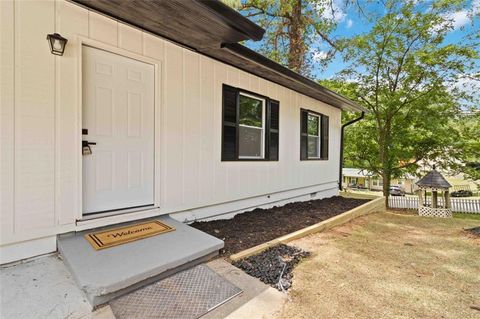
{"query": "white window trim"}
[(377, 182), (262, 156), (317, 136)]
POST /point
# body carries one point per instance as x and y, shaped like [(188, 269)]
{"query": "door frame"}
[(121, 214)]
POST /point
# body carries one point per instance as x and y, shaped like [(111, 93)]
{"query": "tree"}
[(292, 26), (403, 71), (468, 145)]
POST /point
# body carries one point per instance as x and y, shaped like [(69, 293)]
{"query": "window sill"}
[(314, 159), (249, 160)]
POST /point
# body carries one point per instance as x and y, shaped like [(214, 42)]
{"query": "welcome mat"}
[(121, 235)]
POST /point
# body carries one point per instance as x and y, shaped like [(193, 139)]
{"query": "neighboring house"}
[(364, 179), (356, 178), (186, 121)]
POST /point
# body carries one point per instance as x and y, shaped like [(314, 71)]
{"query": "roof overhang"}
[(191, 23), (258, 64), (433, 180), (213, 29)]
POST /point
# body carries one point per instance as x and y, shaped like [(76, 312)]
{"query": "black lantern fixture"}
[(57, 43)]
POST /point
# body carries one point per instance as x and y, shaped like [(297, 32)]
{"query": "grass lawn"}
[(466, 216), (389, 266)]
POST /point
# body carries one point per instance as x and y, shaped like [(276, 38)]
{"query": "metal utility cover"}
[(186, 295)]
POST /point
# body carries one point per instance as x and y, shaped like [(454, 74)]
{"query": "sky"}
[(351, 23)]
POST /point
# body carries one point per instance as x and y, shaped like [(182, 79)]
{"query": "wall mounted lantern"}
[(57, 43)]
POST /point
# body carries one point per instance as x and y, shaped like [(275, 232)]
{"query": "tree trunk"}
[(384, 140), (386, 187), (296, 54)]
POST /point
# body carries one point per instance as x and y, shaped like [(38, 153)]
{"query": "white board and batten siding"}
[(40, 125)]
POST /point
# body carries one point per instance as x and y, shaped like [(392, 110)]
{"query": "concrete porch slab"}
[(108, 273)]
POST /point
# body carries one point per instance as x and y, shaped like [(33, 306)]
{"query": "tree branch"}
[(262, 10), (400, 63)]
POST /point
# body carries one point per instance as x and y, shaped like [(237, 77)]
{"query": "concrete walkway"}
[(40, 288), (43, 288), (257, 300)]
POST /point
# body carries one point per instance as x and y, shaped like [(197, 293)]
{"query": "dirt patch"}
[(388, 266), (273, 266), (474, 231), (261, 225)]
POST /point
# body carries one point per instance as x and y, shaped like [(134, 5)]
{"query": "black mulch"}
[(474, 230), (261, 225), (272, 263)]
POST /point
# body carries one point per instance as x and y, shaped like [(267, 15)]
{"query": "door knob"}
[(86, 149)]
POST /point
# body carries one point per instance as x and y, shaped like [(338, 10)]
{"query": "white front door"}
[(118, 112)]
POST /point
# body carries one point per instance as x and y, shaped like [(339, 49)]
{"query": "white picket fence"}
[(459, 205)]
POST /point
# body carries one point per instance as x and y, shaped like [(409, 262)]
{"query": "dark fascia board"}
[(261, 60), (235, 19)]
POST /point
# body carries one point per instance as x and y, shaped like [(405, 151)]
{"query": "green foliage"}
[(292, 27), (404, 72), (312, 125), (466, 216), (468, 144), (250, 111)]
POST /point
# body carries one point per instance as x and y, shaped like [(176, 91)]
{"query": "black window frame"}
[(323, 127), (269, 156)]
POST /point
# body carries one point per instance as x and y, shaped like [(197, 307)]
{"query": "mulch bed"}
[(261, 225), (273, 266)]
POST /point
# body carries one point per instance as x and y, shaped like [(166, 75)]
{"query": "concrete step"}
[(108, 273)]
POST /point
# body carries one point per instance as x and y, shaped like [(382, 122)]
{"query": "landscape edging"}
[(376, 205)]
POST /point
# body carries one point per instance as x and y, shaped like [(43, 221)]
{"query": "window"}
[(250, 126), (377, 182), (313, 133), (313, 136)]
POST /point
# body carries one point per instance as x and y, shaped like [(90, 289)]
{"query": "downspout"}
[(340, 177)]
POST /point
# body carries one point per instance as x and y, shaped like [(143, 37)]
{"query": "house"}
[(152, 108), (364, 179), (356, 178)]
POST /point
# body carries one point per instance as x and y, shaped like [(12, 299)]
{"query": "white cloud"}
[(458, 19), (331, 10), (470, 84), (349, 23), (476, 6), (319, 55)]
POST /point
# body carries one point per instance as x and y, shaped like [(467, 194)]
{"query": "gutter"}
[(234, 19), (341, 147)]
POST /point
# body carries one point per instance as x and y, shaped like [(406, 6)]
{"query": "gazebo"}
[(438, 186)]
